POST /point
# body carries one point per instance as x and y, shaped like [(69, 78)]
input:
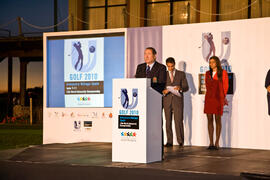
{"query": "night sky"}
[(38, 13)]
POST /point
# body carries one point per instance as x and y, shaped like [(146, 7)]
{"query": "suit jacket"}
[(267, 81), (178, 80), (157, 75)]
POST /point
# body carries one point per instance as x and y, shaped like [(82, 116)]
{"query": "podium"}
[(137, 126)]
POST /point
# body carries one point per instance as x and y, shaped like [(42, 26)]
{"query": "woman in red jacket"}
[(216, 81)]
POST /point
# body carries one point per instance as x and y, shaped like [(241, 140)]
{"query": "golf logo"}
[(125, 99), (209, 48), (83, 62), (128, 117)]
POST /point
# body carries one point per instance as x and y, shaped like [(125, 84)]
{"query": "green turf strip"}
[(19, 137)]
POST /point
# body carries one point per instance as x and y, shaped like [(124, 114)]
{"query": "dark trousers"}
[(268, 100), (175, 108), (162, 135), (162, 143)]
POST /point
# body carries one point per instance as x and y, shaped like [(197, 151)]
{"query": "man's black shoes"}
[(168, 145)]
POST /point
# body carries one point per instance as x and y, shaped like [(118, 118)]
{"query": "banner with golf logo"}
[(84, 77)]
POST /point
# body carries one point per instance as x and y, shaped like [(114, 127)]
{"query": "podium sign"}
[(136, 133)]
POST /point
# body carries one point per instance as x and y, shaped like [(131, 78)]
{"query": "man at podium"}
[(156, 71), (152, 69)]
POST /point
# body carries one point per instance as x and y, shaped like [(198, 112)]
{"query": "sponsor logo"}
[(56, 114), (63, 114), (87, 124), (49, 114), (94, 115), (110, 115), (83, 99), (129, 134), (82, 115), (77, 125), (72, 114), (103, 115)]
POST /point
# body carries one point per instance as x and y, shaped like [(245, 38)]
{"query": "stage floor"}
[(91, 158)]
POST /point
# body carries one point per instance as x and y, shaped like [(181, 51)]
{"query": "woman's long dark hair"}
[(219, 68)]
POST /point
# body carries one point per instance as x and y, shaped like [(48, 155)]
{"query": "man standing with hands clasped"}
[(173, 102)]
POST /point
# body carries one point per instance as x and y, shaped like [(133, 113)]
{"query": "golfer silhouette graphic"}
[(126, 101), (80, 55)]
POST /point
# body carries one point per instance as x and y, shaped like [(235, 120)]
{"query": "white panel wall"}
[(245, 121)]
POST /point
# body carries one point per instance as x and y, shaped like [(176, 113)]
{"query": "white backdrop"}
[(245, 121)]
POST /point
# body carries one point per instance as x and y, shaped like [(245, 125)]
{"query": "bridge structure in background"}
[(27, 49)]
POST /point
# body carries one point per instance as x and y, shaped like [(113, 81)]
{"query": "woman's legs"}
[(210, 128), (218, 129)]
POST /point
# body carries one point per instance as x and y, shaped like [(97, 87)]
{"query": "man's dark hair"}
[(152, 49), (170, 60)]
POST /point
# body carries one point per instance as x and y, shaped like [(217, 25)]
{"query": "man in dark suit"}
[(152, 69), (267, 86), (157, 72), (173, 102)]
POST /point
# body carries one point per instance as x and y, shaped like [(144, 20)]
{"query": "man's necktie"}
[(148, 71), (171, 76)]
